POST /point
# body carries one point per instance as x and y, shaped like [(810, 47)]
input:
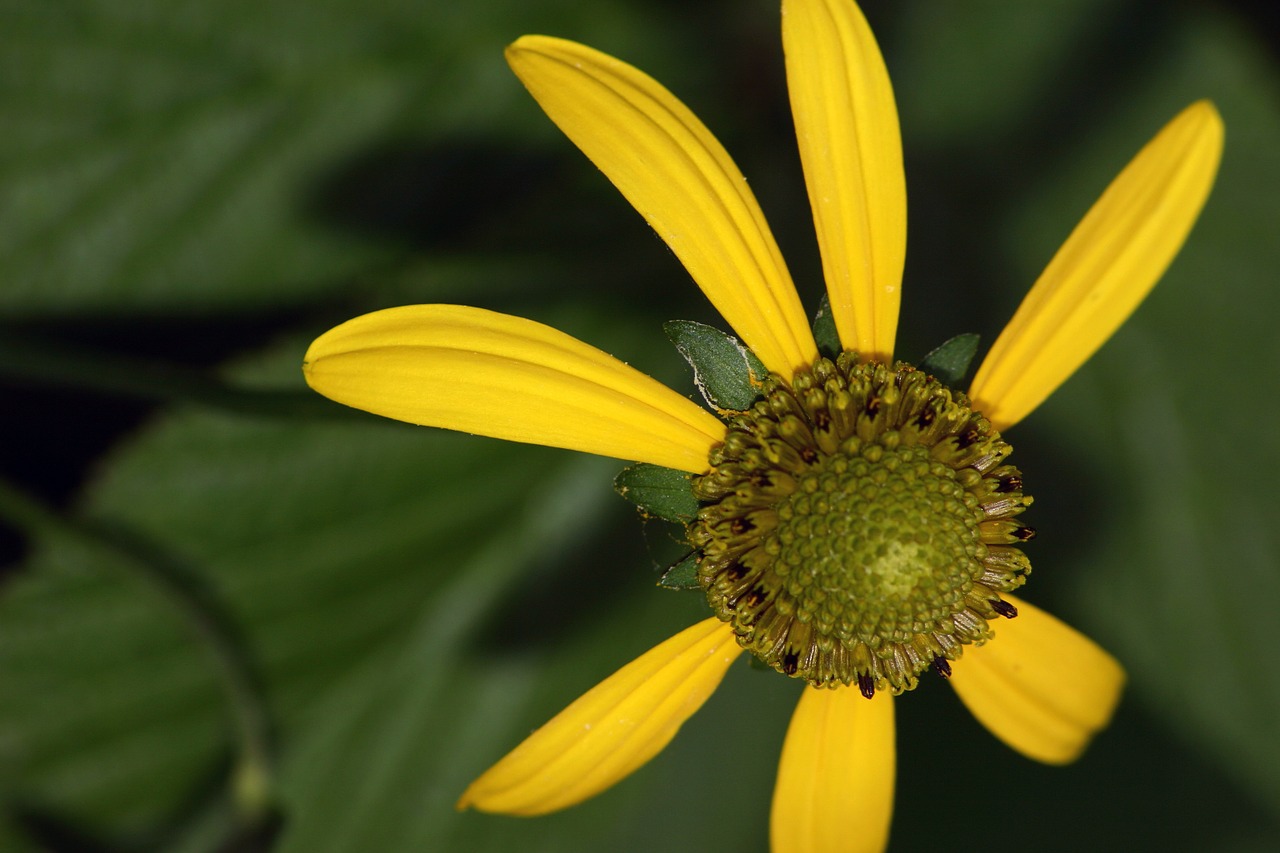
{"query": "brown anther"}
[(1009, 483), (1004, 608), (968, 438)]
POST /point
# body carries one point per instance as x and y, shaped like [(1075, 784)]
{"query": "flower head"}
[(859, 524)]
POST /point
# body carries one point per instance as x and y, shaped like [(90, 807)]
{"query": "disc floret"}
[(858, 525)]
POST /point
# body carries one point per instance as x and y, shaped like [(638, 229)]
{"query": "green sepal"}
[(683, 575), (662, 492), (824, 330), (727, 373), (949, 363)]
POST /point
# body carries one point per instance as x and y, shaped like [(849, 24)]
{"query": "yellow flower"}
[(1036, 684)]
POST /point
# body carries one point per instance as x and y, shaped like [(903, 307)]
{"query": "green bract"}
[(682, 575), (726, 372), (662, 492), (949, 361), (824, 330)]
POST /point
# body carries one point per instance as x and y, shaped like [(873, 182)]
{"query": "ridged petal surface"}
[(835, 780), (675, 173), (1039, 685), (493, 374), (1105, 269), (612, 729), (851, 149)]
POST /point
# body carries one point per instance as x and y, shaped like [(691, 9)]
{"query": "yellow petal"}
[(847, 126), (491, 374), (1107, 266), (610, 731), (675, 173), (835, 780), (1041, 687)]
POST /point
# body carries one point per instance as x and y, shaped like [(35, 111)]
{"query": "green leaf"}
[(662, 492), (682, 575), (726, 372), (322, 541), (949, 362), (416, 726), (824, 329), (1032, 42), (184, 161), (419, 710)]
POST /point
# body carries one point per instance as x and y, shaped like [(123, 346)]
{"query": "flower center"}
[(858, 525)]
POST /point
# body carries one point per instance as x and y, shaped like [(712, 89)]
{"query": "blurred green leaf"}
[(408, 725), (323, 541), (418, 727), (1179, 577), (176, 156), (963, 72)]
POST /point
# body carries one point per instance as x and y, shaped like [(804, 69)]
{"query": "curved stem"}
[(252, 782)]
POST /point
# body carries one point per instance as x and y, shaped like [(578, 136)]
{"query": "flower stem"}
[(252, 781)]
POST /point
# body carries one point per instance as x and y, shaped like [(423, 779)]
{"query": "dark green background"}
[(191, 191)]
